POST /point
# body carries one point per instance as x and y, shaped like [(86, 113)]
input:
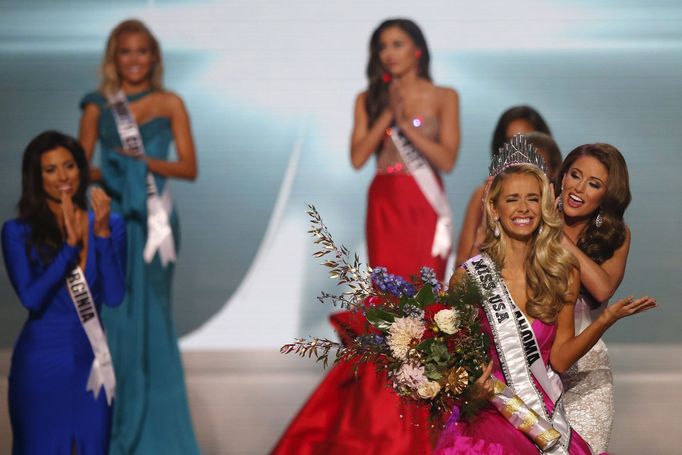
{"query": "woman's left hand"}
[(627, 307), (101, 205)]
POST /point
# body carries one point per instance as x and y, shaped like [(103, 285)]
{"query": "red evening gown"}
[(360, 414)]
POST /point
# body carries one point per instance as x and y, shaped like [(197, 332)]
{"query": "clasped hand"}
[(76, 222)]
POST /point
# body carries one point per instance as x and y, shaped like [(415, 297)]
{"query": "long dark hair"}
[(45, 235), (545, 143), (377, 92), (599, 243), (515, 113)]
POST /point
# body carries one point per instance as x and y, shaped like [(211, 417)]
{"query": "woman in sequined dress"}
[(360, 414), (594, 195)]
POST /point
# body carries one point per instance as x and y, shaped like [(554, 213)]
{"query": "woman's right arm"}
[(87, 136), (569, 347), (601, 280), (364, 141), (472, 219), (34, 291)]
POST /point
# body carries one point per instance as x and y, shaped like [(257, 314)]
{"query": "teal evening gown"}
[(151, 413)]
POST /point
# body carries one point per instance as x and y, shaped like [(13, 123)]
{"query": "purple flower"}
[(393, 284), (428, 276)]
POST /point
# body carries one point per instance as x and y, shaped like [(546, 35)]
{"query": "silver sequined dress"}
[(588, 386)]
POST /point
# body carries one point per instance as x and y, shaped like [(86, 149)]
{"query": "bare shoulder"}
[(624, 248), (447, 94), (171, 100), (478, 192), (91, 110)]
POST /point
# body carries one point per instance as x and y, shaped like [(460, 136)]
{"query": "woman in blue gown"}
[(50, 409), (151, 414)]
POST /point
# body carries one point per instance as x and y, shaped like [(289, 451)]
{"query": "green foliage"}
[(380, 318), (425, 296)]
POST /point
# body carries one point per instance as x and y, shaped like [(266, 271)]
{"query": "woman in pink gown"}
[(539, 282)]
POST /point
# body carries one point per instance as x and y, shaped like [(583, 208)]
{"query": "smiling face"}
[(134, 58), (584, 187), (59, 172), (397, 52), (518, 206)]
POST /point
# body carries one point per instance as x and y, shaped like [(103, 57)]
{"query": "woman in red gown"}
[(401, 115)]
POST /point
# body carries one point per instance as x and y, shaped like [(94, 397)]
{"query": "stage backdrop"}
[(270, 87)]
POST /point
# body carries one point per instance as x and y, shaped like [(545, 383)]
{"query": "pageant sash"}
[(519, 351), (102, 371), (159, 208), (428, 184)]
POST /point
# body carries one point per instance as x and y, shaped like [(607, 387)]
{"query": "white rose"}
[(447, 321), (428, 389)]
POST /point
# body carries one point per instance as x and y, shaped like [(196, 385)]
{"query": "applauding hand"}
[(395, 99), (73, 221), (101, 205)]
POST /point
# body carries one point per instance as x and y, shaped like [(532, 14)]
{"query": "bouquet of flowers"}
[(428, 340)]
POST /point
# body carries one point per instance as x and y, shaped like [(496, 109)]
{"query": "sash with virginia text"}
[(102, 371)]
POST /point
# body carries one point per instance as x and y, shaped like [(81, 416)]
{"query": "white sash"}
[(159, 208), (102, 371), (428, 184), (519, 351)]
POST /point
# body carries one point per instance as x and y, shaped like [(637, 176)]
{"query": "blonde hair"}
[(548, 266), (110, 83)]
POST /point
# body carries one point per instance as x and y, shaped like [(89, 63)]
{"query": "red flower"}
[(429, 333), (431, 310), (372, 301)]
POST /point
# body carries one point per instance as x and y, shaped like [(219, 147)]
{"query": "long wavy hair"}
[(516, 113), (110, 82), (548, 266), (46, 238), (599, 243), (377, 92)]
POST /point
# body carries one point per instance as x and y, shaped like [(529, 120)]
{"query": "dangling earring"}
[(496, 232), (540, 230), (386, 77), (418, 53), (560, 204), (598, 221)]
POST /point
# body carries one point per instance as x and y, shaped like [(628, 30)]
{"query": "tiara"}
[(516, 151)]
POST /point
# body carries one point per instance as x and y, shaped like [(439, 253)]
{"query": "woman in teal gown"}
[(151, 413)]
